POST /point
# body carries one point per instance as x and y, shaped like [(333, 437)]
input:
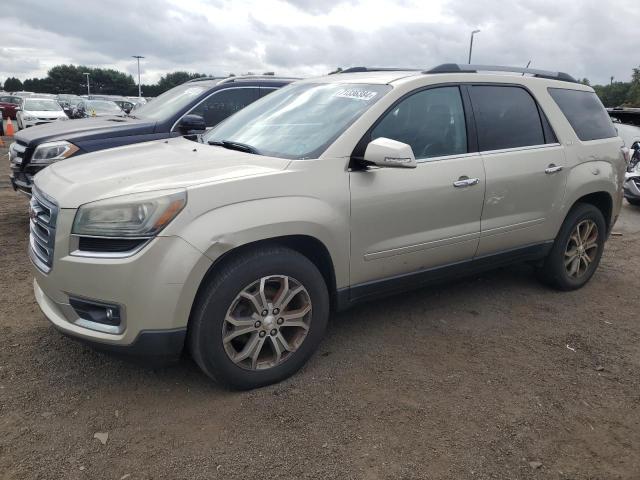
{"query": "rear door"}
[(524, 165)]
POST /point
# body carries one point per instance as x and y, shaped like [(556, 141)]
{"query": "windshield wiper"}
[(242, 147)]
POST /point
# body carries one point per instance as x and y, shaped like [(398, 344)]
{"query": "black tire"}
[(634, 201), (205, 329), (553, 271)]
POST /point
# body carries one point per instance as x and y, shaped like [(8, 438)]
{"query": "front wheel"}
[(577, 249), (259, 318)]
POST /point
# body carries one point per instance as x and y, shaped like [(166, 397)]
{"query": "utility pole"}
[(88, 91), (138, 57), (471, 44)]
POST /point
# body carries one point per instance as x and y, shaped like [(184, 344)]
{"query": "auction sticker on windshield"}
[(356, 93)]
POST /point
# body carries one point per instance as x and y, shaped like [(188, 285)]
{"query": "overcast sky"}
[(586, 38)]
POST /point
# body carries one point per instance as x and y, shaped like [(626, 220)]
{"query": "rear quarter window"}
[(585, 113)]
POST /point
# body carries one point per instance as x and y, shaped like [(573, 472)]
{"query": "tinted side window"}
[(225, 103), (585, 113), (431, 121), (506, 117)]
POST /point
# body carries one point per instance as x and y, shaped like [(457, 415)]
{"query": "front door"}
[(407, 220)]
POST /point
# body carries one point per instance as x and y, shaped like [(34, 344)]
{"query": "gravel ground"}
[(492, 377)]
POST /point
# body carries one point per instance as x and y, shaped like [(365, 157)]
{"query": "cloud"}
[(318, 7), (309, 37)]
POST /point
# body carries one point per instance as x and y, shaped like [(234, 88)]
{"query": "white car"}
[(37, 111)]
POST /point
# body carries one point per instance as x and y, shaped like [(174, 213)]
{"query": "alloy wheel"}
[(266, 322), (582, 248)]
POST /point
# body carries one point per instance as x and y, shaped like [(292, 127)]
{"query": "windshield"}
[(299, 121), (44, 105), (170, 102), (103, 107)]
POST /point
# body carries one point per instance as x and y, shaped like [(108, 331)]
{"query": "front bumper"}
[(21, 182), (155, 289), (153, 346), (632, 187), (40, 121)]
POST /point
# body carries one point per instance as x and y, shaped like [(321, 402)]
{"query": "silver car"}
[(323, 194)]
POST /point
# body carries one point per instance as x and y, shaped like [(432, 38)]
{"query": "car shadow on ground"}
[(421, 310)]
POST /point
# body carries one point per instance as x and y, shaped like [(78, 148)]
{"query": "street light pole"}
[(138, 57), (471, 44), (88, 91)]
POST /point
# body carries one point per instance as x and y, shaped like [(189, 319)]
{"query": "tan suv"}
[(328, 192)]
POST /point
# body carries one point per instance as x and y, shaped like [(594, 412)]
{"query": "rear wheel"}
[(577, 250), (259, 318)]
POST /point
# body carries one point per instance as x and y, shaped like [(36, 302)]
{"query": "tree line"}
[(71, 79), (107, 81)]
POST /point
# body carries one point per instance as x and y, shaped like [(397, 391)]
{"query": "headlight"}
[(28, 118), (53, 151), (138, 215)]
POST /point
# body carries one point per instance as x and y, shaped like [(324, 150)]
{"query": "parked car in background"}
[(326, 193), (124, 104), (632, 177), (69, 103), (189, 108), (97, 108), (627, 123), (38, 111), (10, 105)]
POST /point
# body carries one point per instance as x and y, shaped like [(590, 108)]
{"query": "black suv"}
[(187, 109)]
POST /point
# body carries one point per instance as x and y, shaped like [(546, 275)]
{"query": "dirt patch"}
[(492, 377)]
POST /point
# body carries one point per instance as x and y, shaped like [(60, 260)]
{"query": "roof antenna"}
[(528, 63)]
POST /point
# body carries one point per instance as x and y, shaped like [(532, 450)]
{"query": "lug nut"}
[(280, 321), (257, 324), (265, 313), (262, 334), (273, 332), (276, 311)]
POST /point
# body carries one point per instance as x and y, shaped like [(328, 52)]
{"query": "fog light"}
[(97, 312)]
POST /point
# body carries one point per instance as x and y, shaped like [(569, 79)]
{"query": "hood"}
[(85, 129), (142, 167)]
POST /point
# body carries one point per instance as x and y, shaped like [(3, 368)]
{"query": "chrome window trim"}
[(207, 98), (519, 149)]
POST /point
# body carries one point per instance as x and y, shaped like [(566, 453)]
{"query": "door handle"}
[(553, 168), (466, 182)]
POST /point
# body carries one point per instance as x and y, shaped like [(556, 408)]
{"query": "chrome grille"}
[(42, 220)]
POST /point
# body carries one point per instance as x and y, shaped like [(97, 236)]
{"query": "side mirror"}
[(191, 123), (387, 153)]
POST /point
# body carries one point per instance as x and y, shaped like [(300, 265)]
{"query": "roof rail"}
[(202, 79), (378, 69), (254, 77), (456, 68)]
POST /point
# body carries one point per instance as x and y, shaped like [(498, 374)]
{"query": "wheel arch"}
[(602, 201), (307, 245)]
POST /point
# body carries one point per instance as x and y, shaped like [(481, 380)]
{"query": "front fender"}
[(220, 230)]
